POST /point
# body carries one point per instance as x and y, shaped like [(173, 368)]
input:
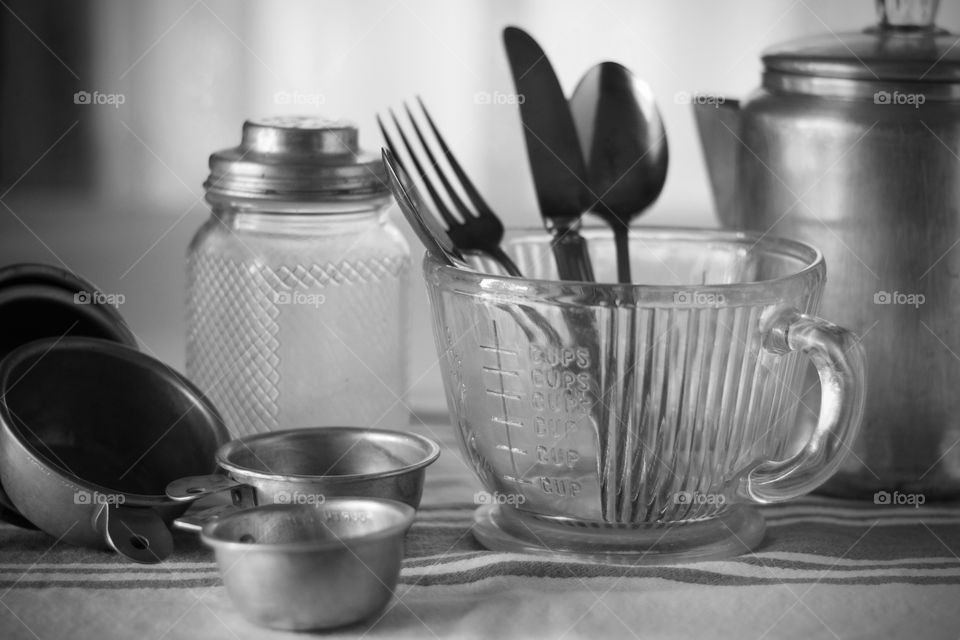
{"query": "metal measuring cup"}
[(91, 432), (308, 466), (302, 567), (44, 301)]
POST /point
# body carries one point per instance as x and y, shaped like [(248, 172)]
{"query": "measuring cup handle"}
[(194, 521), (194, 487), (138, 533), (839, 359)]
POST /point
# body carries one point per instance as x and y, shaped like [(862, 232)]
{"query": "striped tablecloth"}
[(827, 569)]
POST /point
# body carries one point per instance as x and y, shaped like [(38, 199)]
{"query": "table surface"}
[(826, 569)]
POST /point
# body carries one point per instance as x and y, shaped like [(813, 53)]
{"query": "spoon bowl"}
[(625, 145)]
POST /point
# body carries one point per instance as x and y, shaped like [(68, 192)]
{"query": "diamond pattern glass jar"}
[(297, 283)]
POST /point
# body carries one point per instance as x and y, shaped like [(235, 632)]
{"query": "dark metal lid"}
[(294, 159), (905, 46)]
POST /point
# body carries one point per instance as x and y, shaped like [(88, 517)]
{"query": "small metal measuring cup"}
[(302, 567), (308, 466), (91, 432)]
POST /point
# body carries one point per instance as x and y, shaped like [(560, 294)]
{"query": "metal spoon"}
[(625, 145)]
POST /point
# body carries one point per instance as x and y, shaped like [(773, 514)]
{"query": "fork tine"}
[(438, 202), (390, 145), (414, 198), (458, 203), (480, 230), (424, 223), (403, 174), (478, 202)]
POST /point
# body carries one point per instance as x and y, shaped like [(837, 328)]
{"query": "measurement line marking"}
[(508, 352), (517, 480), (503, 406), (504, 394), (516, 450), (507, 422), (506, 372)]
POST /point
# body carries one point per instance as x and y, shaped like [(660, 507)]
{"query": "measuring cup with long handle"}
[(307, 466)]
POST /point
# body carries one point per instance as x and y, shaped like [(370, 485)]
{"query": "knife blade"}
[(553, 150)]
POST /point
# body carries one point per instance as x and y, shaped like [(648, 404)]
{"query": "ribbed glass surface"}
[(623, 406)]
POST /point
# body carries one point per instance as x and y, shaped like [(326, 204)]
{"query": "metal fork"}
[(477, 229)]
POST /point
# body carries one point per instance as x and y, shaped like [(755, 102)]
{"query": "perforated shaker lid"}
[(296, 158)]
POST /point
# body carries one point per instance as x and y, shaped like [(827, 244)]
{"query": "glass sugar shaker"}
[(297, 283)]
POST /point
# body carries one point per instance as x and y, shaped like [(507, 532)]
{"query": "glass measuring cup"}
[(639, 422)]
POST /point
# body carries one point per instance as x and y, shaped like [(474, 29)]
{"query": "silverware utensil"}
[(428, 229), (625, 145), (553, 149), (478, 228), (438, 243)]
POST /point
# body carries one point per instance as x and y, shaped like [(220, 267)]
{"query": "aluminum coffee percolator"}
[(851, 144)]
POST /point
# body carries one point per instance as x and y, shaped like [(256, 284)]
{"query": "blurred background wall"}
[(113, 191), (191, 71)]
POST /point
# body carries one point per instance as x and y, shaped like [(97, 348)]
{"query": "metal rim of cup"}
[(615, 294), (405, 513), (112, 350), (227, 451)]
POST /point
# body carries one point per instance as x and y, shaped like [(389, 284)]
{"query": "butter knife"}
[(553, 149)]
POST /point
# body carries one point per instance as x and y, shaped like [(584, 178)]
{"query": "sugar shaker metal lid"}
[(296, 158)]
